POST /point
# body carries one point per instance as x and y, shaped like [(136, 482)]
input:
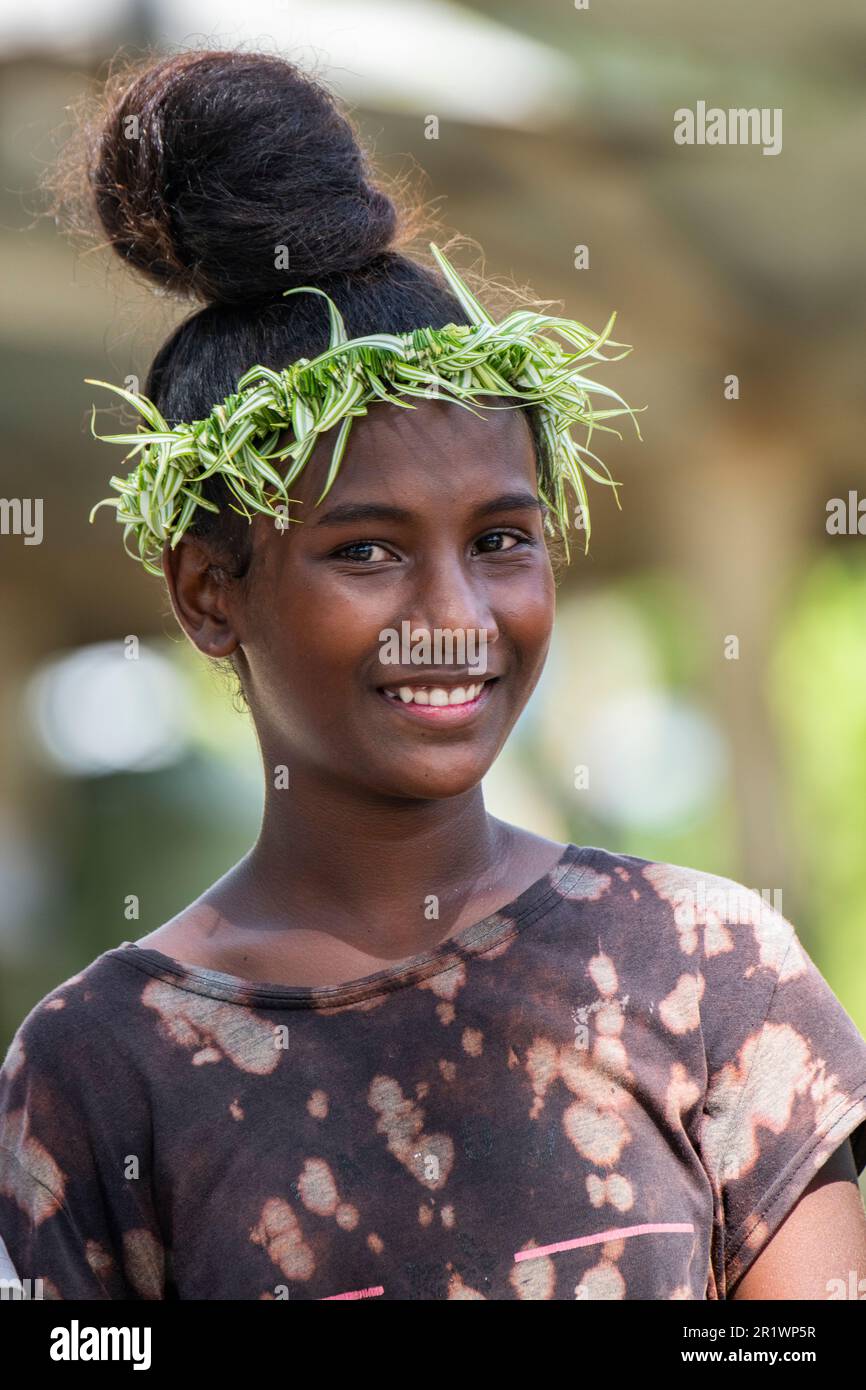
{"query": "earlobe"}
[(200, 602)]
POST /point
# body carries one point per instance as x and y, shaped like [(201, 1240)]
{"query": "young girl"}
[(402, 1049)]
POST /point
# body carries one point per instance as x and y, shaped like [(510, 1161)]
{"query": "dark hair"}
[(227, 177)]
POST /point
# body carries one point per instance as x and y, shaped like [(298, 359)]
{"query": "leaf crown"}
[(515, 357)]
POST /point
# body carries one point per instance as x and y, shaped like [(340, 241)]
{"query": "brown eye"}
[(510, 535), (359, 545)]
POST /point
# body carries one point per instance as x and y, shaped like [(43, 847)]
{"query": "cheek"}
[(530, 638), (526, 612), (310, 641)]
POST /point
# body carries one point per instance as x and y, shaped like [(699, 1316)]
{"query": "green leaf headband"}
[(460, 362)]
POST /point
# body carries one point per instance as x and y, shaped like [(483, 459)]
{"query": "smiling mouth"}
[(439, 702)]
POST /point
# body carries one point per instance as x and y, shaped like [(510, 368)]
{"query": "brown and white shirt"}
[(616, 1087)]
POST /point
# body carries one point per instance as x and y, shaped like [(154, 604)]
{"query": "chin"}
[(431, 783)]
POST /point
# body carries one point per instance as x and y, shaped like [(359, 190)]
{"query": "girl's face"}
[(432, 523)]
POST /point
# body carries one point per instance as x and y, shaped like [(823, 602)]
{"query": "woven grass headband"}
[(462, 363)]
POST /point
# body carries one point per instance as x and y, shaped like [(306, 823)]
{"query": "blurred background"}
[(708, 667)]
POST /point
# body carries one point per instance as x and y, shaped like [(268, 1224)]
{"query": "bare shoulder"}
[(185, 935), (197, 934), (529, 853)]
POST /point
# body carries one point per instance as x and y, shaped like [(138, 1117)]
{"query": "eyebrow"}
[(347, 512)]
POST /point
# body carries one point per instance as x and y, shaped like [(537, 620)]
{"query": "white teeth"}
[(436, 694)]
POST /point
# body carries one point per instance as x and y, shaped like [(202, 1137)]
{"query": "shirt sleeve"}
[(786, 1077), (72, 1226), (48, 1253)]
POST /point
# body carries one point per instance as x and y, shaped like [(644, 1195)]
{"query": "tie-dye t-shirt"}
[(615, 1087)]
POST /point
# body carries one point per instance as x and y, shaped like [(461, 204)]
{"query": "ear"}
[(200, 598)]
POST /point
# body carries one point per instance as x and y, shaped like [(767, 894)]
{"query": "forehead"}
[(437, 451)]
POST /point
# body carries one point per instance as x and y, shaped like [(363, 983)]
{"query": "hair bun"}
[(233, 176)]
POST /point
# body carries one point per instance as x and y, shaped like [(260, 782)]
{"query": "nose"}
[(448, 598)]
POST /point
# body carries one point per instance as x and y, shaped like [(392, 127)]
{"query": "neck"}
[(368, 868)]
